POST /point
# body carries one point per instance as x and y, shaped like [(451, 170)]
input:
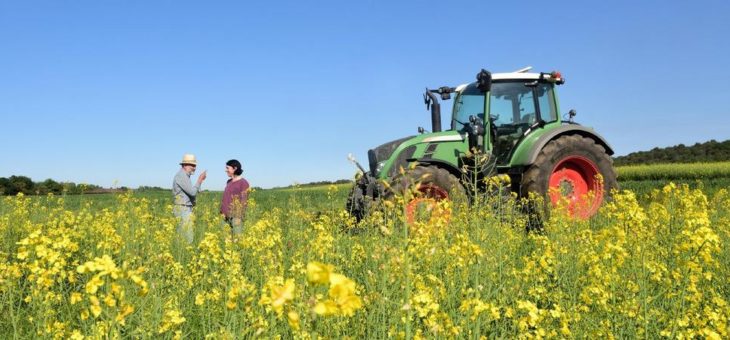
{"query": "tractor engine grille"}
[(402, 160), (382, 153)]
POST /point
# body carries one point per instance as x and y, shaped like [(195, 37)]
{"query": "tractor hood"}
[(377, 156)]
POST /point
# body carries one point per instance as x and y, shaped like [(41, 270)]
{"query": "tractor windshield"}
[(470, 102)]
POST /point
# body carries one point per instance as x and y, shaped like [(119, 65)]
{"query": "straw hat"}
[(189, 159)]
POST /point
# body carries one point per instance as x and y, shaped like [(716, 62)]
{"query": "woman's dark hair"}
[(237, 165)]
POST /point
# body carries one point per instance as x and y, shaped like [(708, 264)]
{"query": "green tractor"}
[(511, 118)]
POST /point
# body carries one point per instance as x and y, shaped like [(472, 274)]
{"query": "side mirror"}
[(445, 92), (475, 131), (484, 80)]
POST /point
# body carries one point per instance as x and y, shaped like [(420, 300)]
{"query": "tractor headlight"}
[(379, 167)]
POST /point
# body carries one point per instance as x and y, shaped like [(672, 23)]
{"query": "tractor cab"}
[(518, 103)]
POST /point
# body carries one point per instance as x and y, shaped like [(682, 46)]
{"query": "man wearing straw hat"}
[(184, 194)]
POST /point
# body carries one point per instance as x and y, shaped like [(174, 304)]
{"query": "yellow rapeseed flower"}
[(319, 272), (293, 319), (171, 319), (349, 304), (95, 307), (141, 283), (342, 297), (279, 295), (126, 310), (75, 298), (199, 299), (76, 335), (325, 308), (110, 301), (93, 285), (343, 284)]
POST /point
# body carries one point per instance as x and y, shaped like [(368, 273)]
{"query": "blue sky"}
[(108, 92)]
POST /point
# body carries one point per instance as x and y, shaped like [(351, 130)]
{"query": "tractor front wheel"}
[(357, 203), (572, 169), (428, 185)]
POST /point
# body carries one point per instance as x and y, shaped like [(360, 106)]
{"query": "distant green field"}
[(642, 179), (689, 171)]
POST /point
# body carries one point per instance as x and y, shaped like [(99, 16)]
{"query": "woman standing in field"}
[(235, 196)]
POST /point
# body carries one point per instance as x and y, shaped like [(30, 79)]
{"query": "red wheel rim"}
[(576, 180), (428, 195)]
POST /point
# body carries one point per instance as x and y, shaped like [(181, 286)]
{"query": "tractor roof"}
[(521, 74), (515, 75)]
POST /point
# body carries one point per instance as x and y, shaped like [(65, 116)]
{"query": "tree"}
[(49, 185), (69, 188), (20, 184), (4, 185), (711, 151)]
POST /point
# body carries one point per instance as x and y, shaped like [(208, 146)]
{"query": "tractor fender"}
[(441, 164), (570, 129)]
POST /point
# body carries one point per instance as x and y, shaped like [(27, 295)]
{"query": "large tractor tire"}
[(568, 169), (429, 185)]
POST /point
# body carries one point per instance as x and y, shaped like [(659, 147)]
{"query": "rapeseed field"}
[(84, 267)]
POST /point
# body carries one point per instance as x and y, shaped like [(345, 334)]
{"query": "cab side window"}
[(512, 103), (526, 114), (513, 113), (548, 113)]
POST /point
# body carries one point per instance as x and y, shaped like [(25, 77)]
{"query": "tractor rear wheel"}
[(568, 169), (430, 185)]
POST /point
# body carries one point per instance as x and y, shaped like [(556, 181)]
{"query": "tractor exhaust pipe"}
[(432, 103)]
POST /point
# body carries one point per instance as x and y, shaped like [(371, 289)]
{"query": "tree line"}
[(14, 185), (712, 151)]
